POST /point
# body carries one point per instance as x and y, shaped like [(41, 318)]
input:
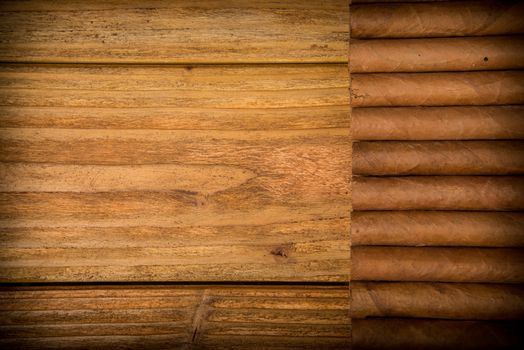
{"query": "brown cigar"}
[(438, 158), (438, 193), (437, 228), (437, 54), (438, 123), (416, 334), (438, 19), (437, 89), (471, 301), (483, 265)]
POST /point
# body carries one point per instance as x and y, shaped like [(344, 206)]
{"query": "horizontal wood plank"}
[(174, 97), (161, 31), (175, 316), (224, 173)]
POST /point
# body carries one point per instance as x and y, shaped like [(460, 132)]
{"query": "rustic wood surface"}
[(165, 31), (182, 317), (226, 173)]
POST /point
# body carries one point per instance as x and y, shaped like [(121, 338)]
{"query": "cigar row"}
[(437, 264), (438, 123), (438, 193), (436, 19), (438, 158), (470, 301), (406, 334), (437, 54), (437, 89), (437, 228)]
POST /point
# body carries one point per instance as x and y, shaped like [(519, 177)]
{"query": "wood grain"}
[(161, 31), (185, 317), (228, 195), (235, 97)]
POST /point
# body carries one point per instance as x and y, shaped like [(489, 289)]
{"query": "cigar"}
[(436, 19), (469, 301), (437, 89), (435, 264), (438, 123), (438, 193), (405, 334), (437, 228), (438, 158), (437, 54)]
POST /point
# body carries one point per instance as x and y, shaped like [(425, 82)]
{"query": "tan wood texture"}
[(226, 173), (163, 31), (181, 317)]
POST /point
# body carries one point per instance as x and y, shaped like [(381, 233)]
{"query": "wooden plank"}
[(437, 54), (454, 89), (256, 188), (414, 334), (437, 228), (207, 317), (438, 123), (164, 31), (436, 19), (437, 264), (438, 158), (438, 193), (466, 301), (175, 97)]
